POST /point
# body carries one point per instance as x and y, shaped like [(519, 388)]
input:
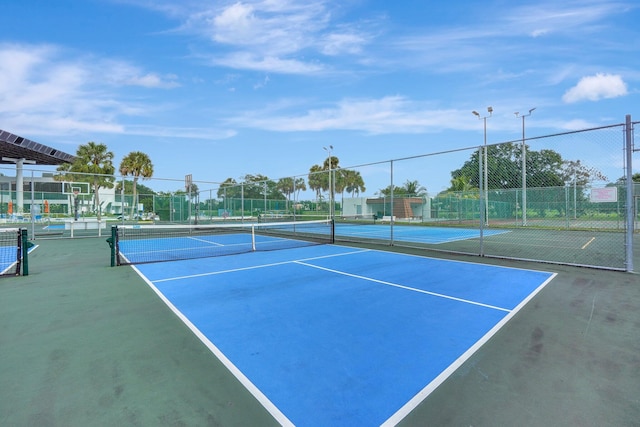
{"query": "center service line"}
[(405, 287)]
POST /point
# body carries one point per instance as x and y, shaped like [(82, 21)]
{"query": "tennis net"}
[(10, 251), (137, 244)]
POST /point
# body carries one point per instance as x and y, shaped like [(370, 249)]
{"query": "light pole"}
[(524, 169), (328, 150), (486, 185)]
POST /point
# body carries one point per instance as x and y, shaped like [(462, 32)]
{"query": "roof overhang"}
[(16, 147)]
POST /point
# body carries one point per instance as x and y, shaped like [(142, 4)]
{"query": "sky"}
[(220, 89)]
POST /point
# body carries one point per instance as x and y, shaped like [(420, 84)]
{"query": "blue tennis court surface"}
[(332, 335), (53, 227), (409, 233), (7, 258)]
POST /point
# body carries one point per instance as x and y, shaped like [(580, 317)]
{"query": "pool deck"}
[(87, 344)]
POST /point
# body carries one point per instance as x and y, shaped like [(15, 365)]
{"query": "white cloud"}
[(270, 64), (121, 73), (539, 32), (235, 24), (277, 28), (180, 132), (153, 80), (594, 88), (32, 80), (276, 36), (261, 84), (44, 90), (505, 39), (390, 114), (575, 124), (560, 17), (341, 43)]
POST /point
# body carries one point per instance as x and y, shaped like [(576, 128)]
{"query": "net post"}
[(24, 248), (332, 224), (253, 238), (112, 244), (18, 242)]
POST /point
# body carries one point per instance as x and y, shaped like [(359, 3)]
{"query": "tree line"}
[(318, 179), (95, 162), (544, 168)]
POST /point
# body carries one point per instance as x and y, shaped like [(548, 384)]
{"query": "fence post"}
[(482, 194), (629, 182), (391, 221)]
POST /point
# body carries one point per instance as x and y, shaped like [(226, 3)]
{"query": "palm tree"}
[(193, 195), (300, 186), (414, 189), (95, 162), (460, 184), (353, 182), (331, 164), (316, 181), (136, 164), (326, 167), (286, 186), (290, 186)]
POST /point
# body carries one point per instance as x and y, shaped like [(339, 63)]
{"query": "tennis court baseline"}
[(332, 335)]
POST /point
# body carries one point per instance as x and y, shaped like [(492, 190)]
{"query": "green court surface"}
[(587, 247), (86, 344)]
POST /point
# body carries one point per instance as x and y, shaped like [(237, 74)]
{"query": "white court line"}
[(405, 409), (425, 392), (406, 287), (198, 239), (10, 266), (588, 243), (212, 273), (246, 382)]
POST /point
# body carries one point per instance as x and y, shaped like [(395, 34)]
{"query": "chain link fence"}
[(560, 198), (563, 198)]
